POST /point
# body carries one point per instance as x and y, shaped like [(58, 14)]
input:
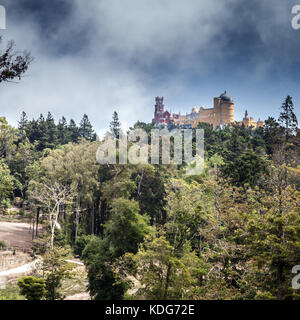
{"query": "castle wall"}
[(221, 114)]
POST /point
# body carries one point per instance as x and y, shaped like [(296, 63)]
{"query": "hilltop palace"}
[(222, 114)]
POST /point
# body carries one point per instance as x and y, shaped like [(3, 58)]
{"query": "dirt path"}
[(18, 235), (15, 234), (26, 268), (79, 296), (75, 262)]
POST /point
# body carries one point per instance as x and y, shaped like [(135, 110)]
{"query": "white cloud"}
[(117, 44)]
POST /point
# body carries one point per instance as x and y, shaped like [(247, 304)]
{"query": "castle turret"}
[(160, 115), (223, 110)]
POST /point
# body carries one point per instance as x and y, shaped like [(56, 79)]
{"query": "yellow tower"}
[(224, 110)]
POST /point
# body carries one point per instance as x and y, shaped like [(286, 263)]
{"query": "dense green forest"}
[(150, 231)]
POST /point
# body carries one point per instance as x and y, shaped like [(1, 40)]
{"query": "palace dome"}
[(225, 97)]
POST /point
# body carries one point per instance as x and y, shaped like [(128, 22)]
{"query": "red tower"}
[(161, 116)]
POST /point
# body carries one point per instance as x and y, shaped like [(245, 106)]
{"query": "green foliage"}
[(123, 233), (86, 130), (246, 169), (287, 116), (165, 275), (81, 243), (11, 292), (126, 228), (150, 231), (8, 136), (264, 296), (115, 125), (55, 270), (32, 288), (145, 126), (45, 133), (7, 184), (273, 240), (13, 64), (2, 244), (102, 280)]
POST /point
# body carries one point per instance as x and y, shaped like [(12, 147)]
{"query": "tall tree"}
[(55, 269), (273, 135), (7, 182), (115, 125), (287, 116), (62, 131), (123, 233), (52, 196), (85, 129), (22, 124), (36, 132), (273, 238), (75, 166), (8, 136), (51, 132), (162, 274), (73, 131)]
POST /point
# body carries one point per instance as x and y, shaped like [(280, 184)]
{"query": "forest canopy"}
[(150, 231)]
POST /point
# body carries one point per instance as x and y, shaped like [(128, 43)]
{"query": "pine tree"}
[(39, 132), (73, 131), (85, 129), (63, 132), (273, 135), (115, 125), (51, 132), (22, 124), (23, 121), (287, 116)]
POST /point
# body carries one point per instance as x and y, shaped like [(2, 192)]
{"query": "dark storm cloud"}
[(98, 55), (52, 22), (261, 30), (49, 15)]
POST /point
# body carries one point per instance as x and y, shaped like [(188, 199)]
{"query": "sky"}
[(98, 56)]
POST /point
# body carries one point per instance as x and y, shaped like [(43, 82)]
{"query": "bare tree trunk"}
[(53, 225), (37, 220), (33, 220), (52, 237), (77, 222), (93, 219), (140, 183), (167, 282)]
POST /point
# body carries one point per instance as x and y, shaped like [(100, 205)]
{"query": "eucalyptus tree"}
[(75, 166), (52, 196)]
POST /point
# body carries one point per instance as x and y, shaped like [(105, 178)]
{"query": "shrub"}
[(32, 288), (80, 244), (264, 296), (5, 204)]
